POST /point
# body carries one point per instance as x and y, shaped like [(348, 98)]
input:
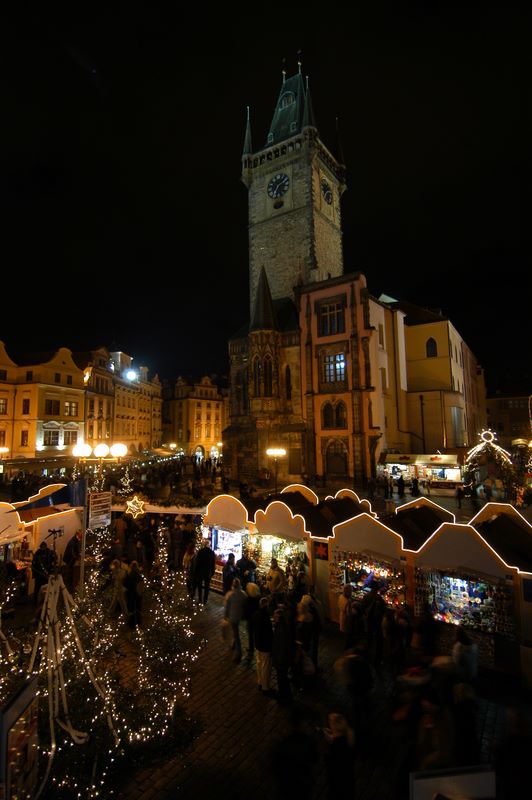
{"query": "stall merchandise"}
[(362, 571), (476, 603)]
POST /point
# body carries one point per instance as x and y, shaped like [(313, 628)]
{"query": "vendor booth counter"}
[(465, 582)]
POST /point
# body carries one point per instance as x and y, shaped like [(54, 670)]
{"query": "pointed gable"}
[(264, 314)]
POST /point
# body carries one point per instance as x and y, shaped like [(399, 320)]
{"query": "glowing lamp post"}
[(276, 453), (4, 451)]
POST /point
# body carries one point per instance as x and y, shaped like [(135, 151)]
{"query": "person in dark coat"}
[(70, 556), (42, 566), (283, 652), (229, 573), (246, 567), (204, 566)]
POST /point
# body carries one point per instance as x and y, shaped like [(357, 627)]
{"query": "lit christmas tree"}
[(489, 452), (97, 719)]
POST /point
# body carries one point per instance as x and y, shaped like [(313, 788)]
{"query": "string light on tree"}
[(486, 452)]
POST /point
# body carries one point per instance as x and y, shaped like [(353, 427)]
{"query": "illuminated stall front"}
[(363, 551), (465, 582), (226, 527)]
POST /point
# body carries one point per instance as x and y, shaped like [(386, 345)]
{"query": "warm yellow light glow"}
[(81, 450), (276, 452), (118, 450), (135, 507), (172, 445), (101, 450), (4, 450)]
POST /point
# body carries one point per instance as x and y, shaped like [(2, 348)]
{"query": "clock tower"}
[(295, 185)]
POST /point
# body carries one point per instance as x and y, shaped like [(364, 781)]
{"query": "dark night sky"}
[(122, 135)]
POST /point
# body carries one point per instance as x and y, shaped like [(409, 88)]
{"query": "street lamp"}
[(275, 453), (82, 452)]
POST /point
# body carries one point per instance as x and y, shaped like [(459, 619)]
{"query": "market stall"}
[(226, 527), (436, 473), (465, 582), (362, 551)]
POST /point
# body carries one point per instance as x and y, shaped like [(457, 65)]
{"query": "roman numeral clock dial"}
[(278, 185)]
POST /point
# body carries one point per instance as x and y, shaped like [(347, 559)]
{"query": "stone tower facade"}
[(294, 188), (294, 185)]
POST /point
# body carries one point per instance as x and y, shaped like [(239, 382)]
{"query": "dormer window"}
[(287, 99)]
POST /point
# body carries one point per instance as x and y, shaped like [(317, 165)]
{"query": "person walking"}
[(229, 573), (204, 566), (276, 583), (235, 603), (246, 567), (118, 577)]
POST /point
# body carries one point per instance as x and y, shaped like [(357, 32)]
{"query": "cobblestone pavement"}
[(230, 756)]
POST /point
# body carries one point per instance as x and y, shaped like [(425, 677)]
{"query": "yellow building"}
[(446, 394), (42, 405), (137, 405), (195, 415), (99, 401)]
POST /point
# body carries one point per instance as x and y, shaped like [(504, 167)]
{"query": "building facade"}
[(195, 414), (42, 405)]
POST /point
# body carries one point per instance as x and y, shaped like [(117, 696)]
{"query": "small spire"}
[(283, 62), (248, 149), (299, 62)]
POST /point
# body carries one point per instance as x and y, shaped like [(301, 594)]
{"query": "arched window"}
[(288, 383), (256, 377), (268, 377), (328, 416), (431, 348), (341, 415)]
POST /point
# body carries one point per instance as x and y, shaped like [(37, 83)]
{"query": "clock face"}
[(278, 185), (326, 191)]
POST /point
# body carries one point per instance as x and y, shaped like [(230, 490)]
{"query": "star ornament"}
[(135, 507)]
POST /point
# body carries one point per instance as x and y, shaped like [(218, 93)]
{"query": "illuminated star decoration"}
[(135, 507)]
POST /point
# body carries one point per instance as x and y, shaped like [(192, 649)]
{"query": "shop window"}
[(50, 438), (70, 437), (431, 348)]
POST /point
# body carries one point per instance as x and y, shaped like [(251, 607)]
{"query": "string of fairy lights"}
[(95, 715)]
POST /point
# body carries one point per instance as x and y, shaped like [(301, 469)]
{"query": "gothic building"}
[(300, 373)]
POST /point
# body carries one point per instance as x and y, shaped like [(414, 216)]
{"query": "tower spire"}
[(247, 138), (308, 112)]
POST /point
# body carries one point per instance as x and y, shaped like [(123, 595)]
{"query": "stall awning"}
[(426, 460)]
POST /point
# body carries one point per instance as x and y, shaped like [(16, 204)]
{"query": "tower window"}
[(256, 377), (268, 378), (431, 348), (341, 416), (288, 383)]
